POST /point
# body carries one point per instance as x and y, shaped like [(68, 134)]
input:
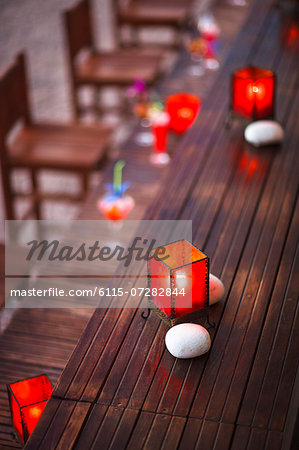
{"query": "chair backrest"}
[(14, 107), (14, 104), (78, 27)]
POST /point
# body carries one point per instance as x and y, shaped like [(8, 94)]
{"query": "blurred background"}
[(36, 26)]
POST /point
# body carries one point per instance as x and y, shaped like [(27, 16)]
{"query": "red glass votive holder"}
[(183, 269), (253, 93), (27, 399)]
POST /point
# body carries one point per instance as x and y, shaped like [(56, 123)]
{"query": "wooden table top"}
[(121, 388)]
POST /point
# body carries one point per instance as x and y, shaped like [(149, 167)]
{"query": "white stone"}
[(187, 340), (216, 289), (264, 132)]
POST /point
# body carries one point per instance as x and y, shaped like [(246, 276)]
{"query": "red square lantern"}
[(253, 93), (178, 275), (182, 109), (27, 399)]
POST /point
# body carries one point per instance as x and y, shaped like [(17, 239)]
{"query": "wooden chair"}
[(118, 68), (172, 14), (72, 148)]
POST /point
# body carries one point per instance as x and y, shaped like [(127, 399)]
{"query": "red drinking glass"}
[(160, 128)]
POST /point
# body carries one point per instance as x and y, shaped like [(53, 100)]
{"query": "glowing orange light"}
[(255, 89), (35, 412), (186, 113)]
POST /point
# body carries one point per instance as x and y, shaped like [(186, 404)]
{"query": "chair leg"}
[(118, 35), (98, 103), (75, 100), (36, 202), (178, 38), (85, 184), (134, 35), (8, 194)]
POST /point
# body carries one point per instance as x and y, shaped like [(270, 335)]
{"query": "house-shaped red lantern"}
[(178, 277), (27, 399), (182, 109), (253, 93)]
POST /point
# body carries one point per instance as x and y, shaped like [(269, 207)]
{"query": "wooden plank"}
[(257, 439), (173, 433), (224, 436), (122, 377), (56, 428), (190, 434), (207, 435), (134, 392), (59, 425), (283, 344), (157, 432), (74, 425), (89, 431), (125, 427), (240, 438), (140, 431), (107, 428), (121, 339), (81, 352), (284, 287), (274, 440), (43, 425), (287, 378), (78, 353)]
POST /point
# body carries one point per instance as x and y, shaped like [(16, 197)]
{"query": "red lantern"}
[(253, 93), (27, 399), (183, 109), (178, 275)]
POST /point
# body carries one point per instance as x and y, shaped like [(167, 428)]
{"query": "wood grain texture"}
[(243, 206)]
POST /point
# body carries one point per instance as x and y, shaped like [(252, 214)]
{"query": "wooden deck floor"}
[(39, 341), (121, 388), (35, 342)]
